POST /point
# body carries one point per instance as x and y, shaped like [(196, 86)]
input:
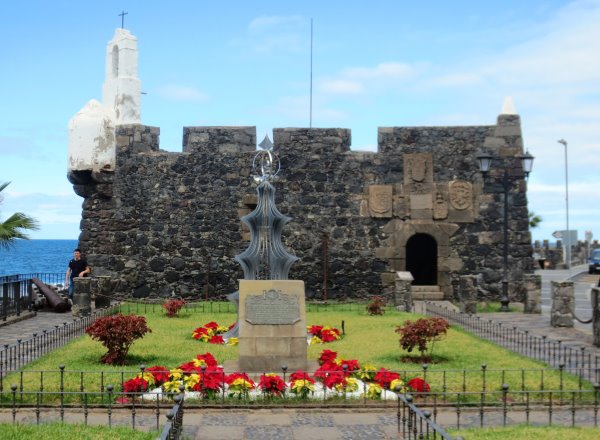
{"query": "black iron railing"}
[(17, 291), (578, 360), (16, 356), (414, 423)]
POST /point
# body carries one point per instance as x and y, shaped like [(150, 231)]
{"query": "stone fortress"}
[(169, 223)]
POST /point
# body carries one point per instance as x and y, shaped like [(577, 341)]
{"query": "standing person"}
[(78, 267)]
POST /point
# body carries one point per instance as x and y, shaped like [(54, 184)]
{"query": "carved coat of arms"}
[(380, 200), (461, 194), (417, 166)]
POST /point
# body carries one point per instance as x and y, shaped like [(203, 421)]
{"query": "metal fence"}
[(414, 423), (134, 413), (14, 357), (577, 360), (508, 407), (173, 430), (17, 291)]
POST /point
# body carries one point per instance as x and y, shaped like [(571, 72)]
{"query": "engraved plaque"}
[(272, 308)]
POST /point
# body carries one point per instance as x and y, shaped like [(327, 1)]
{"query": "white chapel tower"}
[(92, 130)]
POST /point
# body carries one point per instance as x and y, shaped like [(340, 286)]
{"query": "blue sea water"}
[(36, 256)]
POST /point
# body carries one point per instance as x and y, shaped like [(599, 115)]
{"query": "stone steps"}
[(427, 293)]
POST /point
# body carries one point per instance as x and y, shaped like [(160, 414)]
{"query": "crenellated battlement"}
[(169, 222)]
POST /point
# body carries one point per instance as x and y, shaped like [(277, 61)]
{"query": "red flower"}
[(301, 375), (160, 374), (331, 374), (271, 384), (329, 335), (199, 332), (233, 376), (211, 382), (352, 365), (216, 339), (212, 325), (385, 377), (190, 367), (327, 357), (315, 330), (418, 385), (208, 358), (135, 385)]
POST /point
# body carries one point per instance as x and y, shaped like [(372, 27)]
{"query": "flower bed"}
[(213, 334), (203, 378)]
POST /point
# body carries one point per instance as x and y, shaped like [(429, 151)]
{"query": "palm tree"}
[(14, 226), (534, 219)]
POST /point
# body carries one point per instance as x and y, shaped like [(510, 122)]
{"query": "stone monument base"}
[(272, 326)]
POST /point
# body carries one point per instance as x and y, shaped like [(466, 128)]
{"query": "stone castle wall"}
[(168, 222)]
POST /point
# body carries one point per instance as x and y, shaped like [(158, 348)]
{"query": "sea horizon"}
[(39, 255)]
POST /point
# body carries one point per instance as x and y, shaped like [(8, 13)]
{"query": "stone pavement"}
[(249, 424), (25, 328)]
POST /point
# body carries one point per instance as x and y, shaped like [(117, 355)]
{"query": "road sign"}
[(557, 234)]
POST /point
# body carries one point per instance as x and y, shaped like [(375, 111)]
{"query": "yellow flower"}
[(397, 385), (240, 384), (199, 362), (315, 340), (191, 380), (233, 341), (300, 386), (367, 372), (172, 386), (147, 377), (222, 329), (351, 385), (176, 374), (374, 391)]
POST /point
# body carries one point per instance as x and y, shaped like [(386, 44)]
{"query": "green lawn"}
[(60, 431), (528, 432), (370, 339)]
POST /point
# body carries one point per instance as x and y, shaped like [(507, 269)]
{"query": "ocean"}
[(36, 256)]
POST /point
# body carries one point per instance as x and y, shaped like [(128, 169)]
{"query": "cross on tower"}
[(122, 15)]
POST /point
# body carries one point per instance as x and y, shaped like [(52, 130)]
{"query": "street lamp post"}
[(568, 233), (485, 162)]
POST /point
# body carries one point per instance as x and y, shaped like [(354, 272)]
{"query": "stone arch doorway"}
[(422, 259)]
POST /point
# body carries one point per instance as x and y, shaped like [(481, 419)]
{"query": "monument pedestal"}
[(272, 326)]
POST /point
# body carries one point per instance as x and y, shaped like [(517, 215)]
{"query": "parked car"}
[(594, 261)]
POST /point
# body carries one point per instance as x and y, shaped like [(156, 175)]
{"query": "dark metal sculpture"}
[(265, 258)]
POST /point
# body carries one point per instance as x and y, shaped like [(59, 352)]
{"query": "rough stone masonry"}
[(169, 223)]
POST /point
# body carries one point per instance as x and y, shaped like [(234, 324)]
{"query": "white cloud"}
[(342, 86), (175, 92), (264, 22)]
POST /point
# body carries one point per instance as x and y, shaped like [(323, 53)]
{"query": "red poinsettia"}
[(327, 357), (135, 385), (329, 335), (160, 374), (271, 384), (385, 377), (418, 385), (201, 333), (315, 329), (216, 339), (212, 325), (208, 358), (351, 365), (301, 375), (331, 374), (211, 382)]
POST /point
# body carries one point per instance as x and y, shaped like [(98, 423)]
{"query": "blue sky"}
[(378, 63)]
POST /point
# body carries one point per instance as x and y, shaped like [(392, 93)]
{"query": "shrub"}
[(117, 333), (375, 307), (173, 306), (420, 333)]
